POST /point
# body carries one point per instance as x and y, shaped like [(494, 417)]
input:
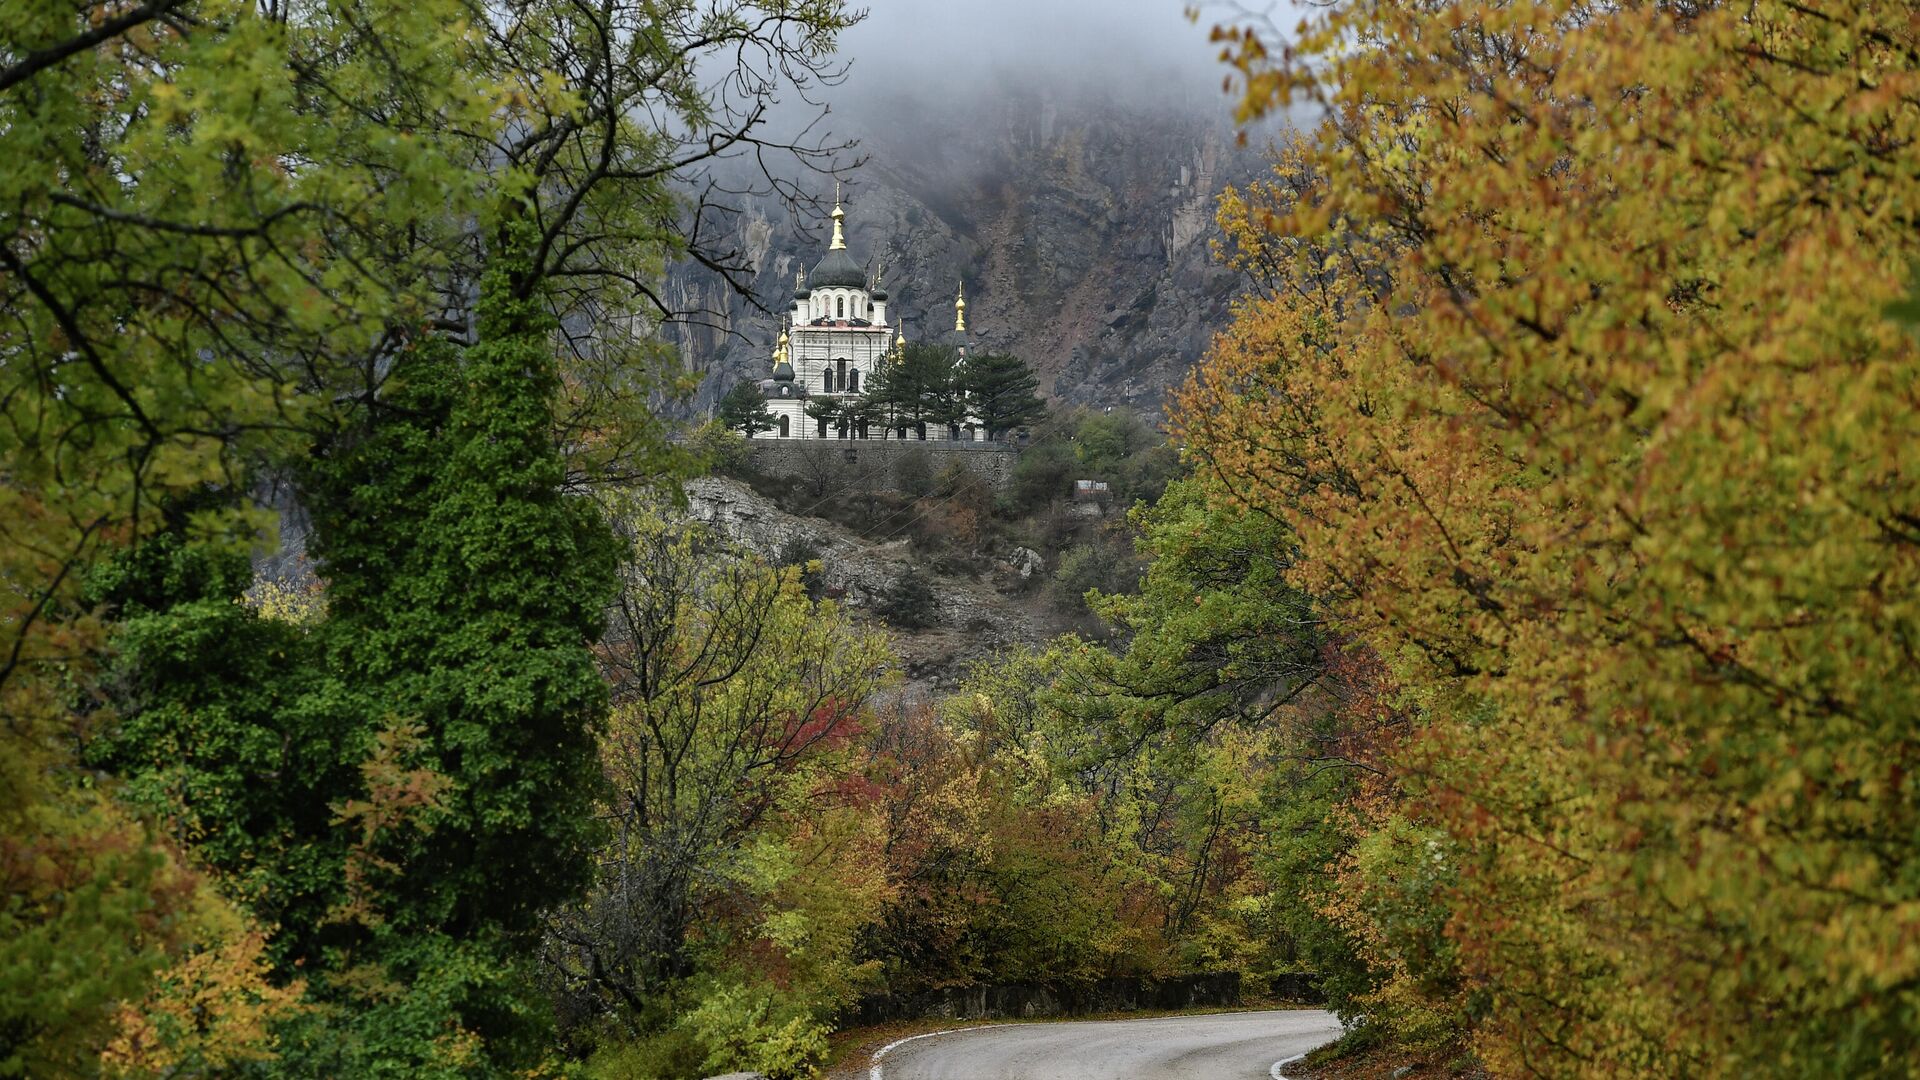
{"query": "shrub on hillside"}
[(1044, 474), (722, 451), (910, 603), (802, 553), (913, 472), (1104, 564)]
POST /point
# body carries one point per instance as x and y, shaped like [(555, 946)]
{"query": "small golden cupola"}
[(782, 367), (960, 310)]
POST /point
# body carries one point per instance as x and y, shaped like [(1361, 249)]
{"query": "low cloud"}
[(934, 50)]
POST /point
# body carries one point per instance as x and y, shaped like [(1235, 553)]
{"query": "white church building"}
[(837, 335)]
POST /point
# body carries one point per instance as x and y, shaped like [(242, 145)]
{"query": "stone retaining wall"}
[(1104, 995), (869, 464)]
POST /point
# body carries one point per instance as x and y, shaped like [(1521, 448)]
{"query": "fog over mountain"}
[(1147, 49), (1059, 158)]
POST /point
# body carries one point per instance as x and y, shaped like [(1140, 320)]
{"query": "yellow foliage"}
[(400, 796), (212, 1009), (1572, 370), (301, 605)]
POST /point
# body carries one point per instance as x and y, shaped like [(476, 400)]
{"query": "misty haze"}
[(1058, 159)]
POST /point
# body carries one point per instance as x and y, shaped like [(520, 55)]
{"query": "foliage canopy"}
[(1574, 374)]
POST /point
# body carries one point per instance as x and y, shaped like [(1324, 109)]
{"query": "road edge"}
[(876, 1071), (1275, 1069)]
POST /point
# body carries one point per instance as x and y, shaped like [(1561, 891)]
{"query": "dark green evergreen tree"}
[(374, 781), (998, 389), (917, 388), (911, 603), (464, 591), (744, 409), (825, 412)]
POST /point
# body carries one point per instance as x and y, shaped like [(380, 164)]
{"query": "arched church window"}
[(783, 427), (853, 380), (840, 308)]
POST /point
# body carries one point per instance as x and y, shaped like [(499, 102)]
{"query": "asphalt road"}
[(1227, 1046)]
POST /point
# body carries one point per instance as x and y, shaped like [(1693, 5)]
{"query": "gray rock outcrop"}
[(972, 620)]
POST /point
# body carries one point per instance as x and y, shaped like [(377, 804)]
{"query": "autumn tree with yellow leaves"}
[(1573, 368)]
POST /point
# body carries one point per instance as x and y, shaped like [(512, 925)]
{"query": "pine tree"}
[(918, 389), (745, 410), (825, 412), (998, 389)]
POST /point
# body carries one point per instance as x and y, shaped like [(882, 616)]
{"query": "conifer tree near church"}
[(918, 388), (745, 411), (999, 390)]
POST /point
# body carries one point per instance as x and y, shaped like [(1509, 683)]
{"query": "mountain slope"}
[(1080, 227)]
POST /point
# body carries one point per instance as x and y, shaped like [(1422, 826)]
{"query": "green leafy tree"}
[(1227, 747), (999, 391), (1103, 564), (722, 450), (1121, 447), (1610, 460), (237, 239), (176, 289), (735, 698), (1044, 474)]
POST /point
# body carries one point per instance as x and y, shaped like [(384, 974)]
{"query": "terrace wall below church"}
[(870, 463)]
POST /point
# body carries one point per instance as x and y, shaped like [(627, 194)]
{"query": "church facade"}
[(833, 341)]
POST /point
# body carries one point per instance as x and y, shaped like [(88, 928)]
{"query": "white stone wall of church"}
[(837, 304)]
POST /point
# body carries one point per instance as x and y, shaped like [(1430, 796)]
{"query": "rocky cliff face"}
[(974, 616), (1080, 227)]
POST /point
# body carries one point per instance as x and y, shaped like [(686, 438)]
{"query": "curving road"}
[(1226, 1046)]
